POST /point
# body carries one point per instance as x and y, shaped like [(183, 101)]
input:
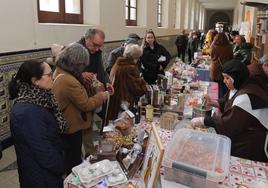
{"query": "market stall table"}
[(202, 74), (241, 172), (251, 174)]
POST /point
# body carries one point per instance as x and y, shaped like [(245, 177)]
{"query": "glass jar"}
[(149, 113)]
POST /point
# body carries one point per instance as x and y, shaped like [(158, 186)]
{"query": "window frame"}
[(130, 22), (61, 16), (159, 13)]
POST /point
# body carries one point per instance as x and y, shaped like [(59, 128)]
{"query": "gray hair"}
[(133, 51), (93, 31), (264, 59), (73, 59)]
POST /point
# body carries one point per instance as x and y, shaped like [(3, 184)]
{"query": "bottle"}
[(137, 112), (167, 98), (149, 113)]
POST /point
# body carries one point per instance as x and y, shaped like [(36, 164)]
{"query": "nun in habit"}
[(243, 113)]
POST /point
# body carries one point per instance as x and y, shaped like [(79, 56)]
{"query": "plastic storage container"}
[(197, 159)]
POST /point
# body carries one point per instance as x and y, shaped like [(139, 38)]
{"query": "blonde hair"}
[(133, 51)]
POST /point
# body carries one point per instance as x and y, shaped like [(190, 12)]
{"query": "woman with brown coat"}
[(127, 82), (77, 105), (221, 52)]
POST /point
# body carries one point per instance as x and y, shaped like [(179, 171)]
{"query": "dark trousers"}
[(190, 56), (181, 52), (72, 144)]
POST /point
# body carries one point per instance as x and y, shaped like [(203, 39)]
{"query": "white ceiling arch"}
[(219, 4)]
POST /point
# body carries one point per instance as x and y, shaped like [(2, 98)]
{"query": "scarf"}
[(44, 98)]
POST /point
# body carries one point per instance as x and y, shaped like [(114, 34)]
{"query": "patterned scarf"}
[(44, 98)]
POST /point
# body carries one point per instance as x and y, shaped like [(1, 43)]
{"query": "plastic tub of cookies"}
[(88, 173), (197, 159), (117, 177)]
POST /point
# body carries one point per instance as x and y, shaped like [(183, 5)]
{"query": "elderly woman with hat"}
[(243, 116)]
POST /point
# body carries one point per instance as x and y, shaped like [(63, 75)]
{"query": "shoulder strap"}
[(59, 75)]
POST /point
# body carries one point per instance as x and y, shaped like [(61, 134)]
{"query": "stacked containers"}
[(197, 159)]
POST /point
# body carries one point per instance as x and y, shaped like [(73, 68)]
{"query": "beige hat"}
[(55, 50)]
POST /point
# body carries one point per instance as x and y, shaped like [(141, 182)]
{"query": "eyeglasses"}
[(97, 45), (50, 74)]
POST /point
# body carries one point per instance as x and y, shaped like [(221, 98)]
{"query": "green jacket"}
[(243, 53)]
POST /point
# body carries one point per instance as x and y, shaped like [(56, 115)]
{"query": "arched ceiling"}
[(219, 4)]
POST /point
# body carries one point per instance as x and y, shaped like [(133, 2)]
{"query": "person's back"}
[(221, 52), (181, 44), (114, 54), (181, 40), (128, 84), (118, 52), (38, 166)]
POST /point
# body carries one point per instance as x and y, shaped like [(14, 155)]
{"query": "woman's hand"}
[(104, 95), (161, 68), (197, 122), (88, 77), (110, 88)]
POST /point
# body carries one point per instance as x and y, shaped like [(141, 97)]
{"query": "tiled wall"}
[(9, 64)]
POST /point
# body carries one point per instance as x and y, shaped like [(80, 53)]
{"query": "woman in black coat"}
[(155, 58), (36, 124)]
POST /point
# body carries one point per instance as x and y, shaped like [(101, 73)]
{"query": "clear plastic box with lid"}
[(197, 159)]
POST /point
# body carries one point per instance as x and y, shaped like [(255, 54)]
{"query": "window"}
[(60, 11), (159, 13), (131, 12)]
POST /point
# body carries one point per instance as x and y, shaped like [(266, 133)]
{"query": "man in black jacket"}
[(181, 43), (93, 41), (118, 52)]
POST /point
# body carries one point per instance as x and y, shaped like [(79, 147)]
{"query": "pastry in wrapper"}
[(130, 185), (97, 86), (124, 123)]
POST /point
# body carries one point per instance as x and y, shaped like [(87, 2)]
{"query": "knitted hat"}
[(134, 36)]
